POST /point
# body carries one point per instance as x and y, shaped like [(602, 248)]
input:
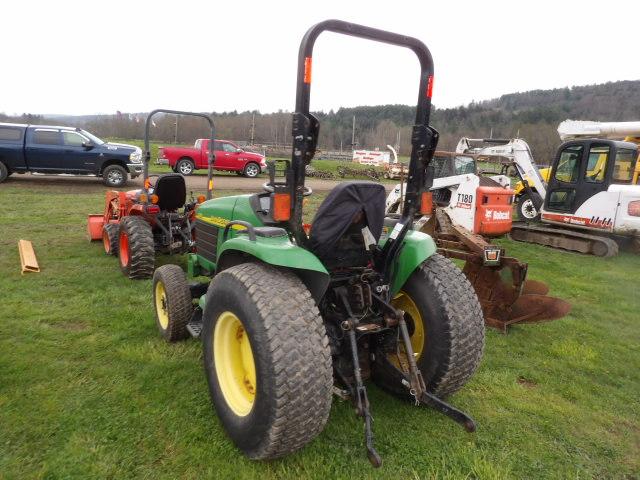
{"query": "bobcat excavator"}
[(466, 210), (591, 197)]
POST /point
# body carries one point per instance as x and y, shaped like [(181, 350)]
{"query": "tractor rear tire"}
[(172, 301), (136, 248), (276, 396), (110, 238), (450, 336)]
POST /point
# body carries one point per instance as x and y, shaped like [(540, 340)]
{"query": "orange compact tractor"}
[(157, 218)]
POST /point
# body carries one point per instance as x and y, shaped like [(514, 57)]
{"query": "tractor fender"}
[(416, 248), (279, 252)]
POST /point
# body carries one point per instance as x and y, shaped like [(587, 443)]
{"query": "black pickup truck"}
[(49, 150)]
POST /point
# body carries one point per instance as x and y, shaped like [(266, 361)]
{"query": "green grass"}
[(89, 390)]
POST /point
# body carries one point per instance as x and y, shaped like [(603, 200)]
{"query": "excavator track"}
[(564, 239)]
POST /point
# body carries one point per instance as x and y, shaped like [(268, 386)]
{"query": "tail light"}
[(633, 208), (281, 207), (426, 203), (153, 209)]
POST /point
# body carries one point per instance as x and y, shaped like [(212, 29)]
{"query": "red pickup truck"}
[(229, 157)]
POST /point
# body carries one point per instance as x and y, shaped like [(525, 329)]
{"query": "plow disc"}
[(500, 282), (506, 300)]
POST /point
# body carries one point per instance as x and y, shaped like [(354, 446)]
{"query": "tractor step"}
[(194, 328)]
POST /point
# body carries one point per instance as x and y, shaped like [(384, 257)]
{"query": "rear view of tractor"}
[(138, 224), (289, 317)]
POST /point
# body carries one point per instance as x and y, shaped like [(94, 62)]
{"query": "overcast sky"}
[(83, 57)]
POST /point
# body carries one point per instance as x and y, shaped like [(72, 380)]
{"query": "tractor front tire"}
[(172, 301), (110, 238), (446, 325), (135, 247), (267, 359)]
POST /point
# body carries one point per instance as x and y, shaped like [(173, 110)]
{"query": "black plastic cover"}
[(171, 190), (338, 211)]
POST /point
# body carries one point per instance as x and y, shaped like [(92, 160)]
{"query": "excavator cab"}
[(585, 168)]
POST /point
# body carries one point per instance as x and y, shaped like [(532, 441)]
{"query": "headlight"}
[(136, 156)]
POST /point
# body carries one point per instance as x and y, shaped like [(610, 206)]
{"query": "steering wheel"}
[(270, 189)]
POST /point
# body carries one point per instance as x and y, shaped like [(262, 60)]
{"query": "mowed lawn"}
[(89, 390)]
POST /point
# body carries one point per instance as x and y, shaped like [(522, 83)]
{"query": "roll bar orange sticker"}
[(307, 70), (430, 86)]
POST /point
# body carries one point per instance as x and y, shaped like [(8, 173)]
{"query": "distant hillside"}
[(532, 115)]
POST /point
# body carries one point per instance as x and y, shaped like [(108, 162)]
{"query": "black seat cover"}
[(171, 190), (338, 211)]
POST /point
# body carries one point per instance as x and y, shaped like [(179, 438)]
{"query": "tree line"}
[(533, 116)]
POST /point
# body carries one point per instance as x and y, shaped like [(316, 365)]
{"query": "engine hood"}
[(120, 147)]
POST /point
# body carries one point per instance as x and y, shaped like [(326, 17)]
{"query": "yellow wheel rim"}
[(414, 321), (233, 360), (161, 305)]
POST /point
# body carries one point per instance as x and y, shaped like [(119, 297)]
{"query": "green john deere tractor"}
[(291, 317)]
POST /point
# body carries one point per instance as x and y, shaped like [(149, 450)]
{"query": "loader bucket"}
[(94, 227), (506, 299)]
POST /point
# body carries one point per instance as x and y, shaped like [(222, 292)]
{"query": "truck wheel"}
[(251, 170), (4, 172), (136, 248), (172, 300), (528, 206), (185, 167), (446, 325), (114, 176), (110, 238), (267, 359)]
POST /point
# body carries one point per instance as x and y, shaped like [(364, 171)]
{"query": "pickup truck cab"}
[(50, 150), (229, 157)]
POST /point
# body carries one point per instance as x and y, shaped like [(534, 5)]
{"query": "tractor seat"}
[(337, 226), (171, 191)]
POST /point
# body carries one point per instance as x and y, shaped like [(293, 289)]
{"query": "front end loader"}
[(290, 317), (158, 218)]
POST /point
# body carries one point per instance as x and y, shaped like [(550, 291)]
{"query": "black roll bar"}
[(305, 130), (147, 149)]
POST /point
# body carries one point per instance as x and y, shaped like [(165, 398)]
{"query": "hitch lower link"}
[(415, 384)]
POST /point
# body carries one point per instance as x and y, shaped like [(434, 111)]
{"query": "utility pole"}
[(353, 134), (253, 127), (175, 133)]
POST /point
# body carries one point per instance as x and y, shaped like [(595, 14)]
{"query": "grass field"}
[(89, 390)]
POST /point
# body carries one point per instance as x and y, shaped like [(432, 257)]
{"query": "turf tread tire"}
[(141, 247), (461, 331), (292, 354), (179, 302)]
